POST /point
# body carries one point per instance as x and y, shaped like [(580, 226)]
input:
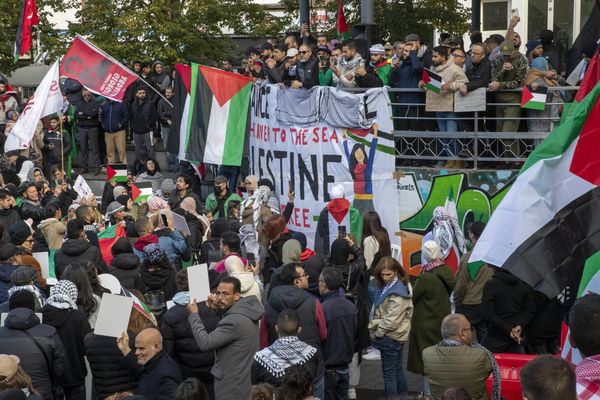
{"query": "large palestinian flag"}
[(548, 224), (107, 238), (338, 212), (210, 112)]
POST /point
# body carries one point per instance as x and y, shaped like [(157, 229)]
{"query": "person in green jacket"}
[(218, 201), (325, 73), (379, 62)]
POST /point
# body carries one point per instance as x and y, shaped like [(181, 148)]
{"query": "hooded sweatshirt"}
[(78, 251), (124, 264), (250, 286)]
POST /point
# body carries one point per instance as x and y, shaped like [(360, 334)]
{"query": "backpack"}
[(154, 299)]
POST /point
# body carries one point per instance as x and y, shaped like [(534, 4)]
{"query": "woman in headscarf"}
[(446, 232), (431, 300), (160, 78), (156, 274), (539, 120), (170, 239), (72, 325), (187, 209), (250, 286)]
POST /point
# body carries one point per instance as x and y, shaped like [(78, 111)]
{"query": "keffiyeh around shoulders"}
[(283, 353)]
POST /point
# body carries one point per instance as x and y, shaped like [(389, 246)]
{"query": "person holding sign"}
[(235, 338), (159, 375)]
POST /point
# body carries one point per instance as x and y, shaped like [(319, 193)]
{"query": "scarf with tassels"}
[(495, 369), (430, 266), (283, 353)]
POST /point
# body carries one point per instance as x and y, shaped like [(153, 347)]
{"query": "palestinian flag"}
[(453, 258), (534, 99), (116, 172), (341, 24), (432, 80), (212, 117), (337, 212), (547, 225), (141, 191), (28, 18), (141, 307), (107, 238)]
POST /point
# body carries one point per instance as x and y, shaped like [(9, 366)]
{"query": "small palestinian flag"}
[(141, 307), (107, 238), (212, 117), (116, 172), (432, 80), (534, 99), (141, 191)]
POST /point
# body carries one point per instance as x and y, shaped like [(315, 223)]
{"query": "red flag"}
[(342, 25), (29, 18), (96, 70), (590, 79)]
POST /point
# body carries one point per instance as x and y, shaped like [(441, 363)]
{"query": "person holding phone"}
[(325, 72)]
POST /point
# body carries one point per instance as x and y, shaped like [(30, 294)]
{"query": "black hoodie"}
[(7, 218), (507, 302), (124, 264), (78, 251), (157, 279), (72, 326)]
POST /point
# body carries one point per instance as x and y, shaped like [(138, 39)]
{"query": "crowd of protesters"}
[(283, 320)]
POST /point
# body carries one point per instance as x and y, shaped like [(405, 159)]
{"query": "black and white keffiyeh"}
[(495, 369), (283, 353), (64, 295)]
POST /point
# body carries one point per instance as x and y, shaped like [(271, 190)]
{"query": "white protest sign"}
[(44, 260), (473, 101), (113, 316), (198, 282), (180, 224), (82, 188)]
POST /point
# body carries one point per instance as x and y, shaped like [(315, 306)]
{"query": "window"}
[(538, 17), (495, 15)]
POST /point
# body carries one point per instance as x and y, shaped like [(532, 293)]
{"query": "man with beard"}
[(276, 64), (86, 114), (8, 214), (218, 201), (143, 123), (183, 189), (235, 340), (307, 70), (345, 70), (159, 78), (32, 206), (407, 76), (379, 63), (7, 103)]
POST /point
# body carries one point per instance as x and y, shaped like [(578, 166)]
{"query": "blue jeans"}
[(319, 387), (392, 365), (337, 383), (172, 160), (448, 125), (371, 290)]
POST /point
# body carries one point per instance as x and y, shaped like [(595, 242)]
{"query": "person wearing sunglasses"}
[(470, 363), (307, 70)]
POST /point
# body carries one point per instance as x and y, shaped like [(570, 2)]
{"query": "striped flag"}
[(141, 191), (432, 80), (546, 227), (534, 99), (213, 116), (107, 238), (116, 172), (341, 24), (141, 307), (28, 18)]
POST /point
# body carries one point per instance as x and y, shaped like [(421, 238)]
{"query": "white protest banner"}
[(44, 259), (473, 101), (180, 224), (46, 100), (350, 144), (198, 282), (113, 316), (82, 188)]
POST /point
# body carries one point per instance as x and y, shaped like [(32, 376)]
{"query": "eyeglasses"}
[(302, 276), (303, 52)]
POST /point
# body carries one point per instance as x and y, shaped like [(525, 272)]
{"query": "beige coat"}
[(54, 232), (468, 291), (392, 317)]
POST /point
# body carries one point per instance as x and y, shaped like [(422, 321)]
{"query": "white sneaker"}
[(352, 393), (372, 355)]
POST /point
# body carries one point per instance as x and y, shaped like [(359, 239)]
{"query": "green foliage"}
[(398, 18), (51, 40)]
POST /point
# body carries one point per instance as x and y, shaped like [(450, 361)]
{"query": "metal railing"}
[(477, 140)]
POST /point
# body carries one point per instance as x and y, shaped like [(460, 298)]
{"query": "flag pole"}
[(62, 151)]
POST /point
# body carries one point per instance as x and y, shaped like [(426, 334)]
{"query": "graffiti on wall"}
[(477, 194)]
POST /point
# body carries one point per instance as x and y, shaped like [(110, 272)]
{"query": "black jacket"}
[(77, 251), (108, 375), (159, 377), (37, 212), (53, 137), (7, 218), (86, 114), (143, 116), (369, 80), (72, 326), (160, 279), (125, 267), (275, 74), (165, 111), (13, 340), (274, 257), (340, 315), (307, 73), (5, 282), (506, 303), (179, 342), (114, 116), (479, 75)]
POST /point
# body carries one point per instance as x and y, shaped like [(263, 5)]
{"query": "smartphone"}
[(164, 219), (251, 259), (342, 232), (323, 59), (515, 12)]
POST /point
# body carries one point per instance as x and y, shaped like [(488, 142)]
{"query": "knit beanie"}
[(431, 251), (19, 232), (117, 191), (21, 298)]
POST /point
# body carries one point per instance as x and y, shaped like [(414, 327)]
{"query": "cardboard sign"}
[(443, 102), (82, 188), (113, 316), (198, 282), (473, 101), (43, 258), (180, 224)]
